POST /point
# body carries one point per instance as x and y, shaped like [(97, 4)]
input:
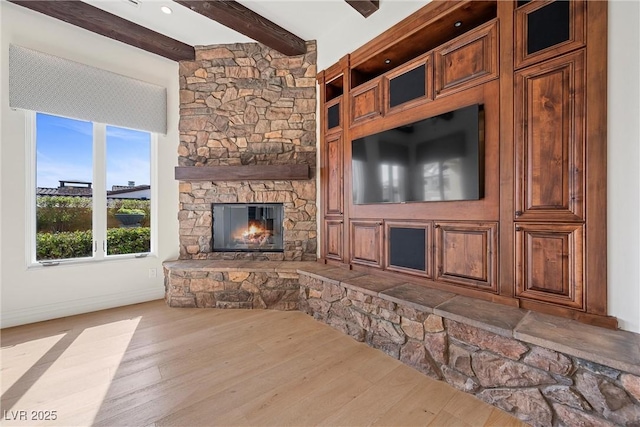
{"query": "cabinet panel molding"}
[(366, 242), (467, 61), (466, 253), (525, 31), (366, 102), (549, 263), (409, 256), (333, 229), (334, 182), (549, 140)]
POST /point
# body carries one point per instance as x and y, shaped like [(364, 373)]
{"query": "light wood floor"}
[(149, 365)]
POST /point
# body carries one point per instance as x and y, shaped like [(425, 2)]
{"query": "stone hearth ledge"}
[(543, 369)]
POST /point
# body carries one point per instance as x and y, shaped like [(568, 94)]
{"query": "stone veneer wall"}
[(540, 386), (246, 104)]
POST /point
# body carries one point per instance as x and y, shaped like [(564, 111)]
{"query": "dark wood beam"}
[(232, 14), (91, 18), (242, 173), (365, 7)]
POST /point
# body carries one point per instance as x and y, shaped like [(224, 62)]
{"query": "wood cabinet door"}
[(366, 101), (409, 85), (466, 253), (333, 116), (333, 239), (548, 28), (408, 247), (467, 61), (549, 263), (333, 168), (549, 117), (366, 242)]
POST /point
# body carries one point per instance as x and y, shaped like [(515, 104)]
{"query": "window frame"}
[(99, 197)]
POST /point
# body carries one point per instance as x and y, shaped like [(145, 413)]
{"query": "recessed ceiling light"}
[(387, 61), (166, 9), (457, 24)]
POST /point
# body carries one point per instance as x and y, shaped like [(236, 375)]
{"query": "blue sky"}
[(65, 152)]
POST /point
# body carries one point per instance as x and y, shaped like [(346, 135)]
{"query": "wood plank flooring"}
[(150, 365)]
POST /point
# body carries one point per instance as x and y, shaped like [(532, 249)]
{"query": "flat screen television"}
[(435, 159)]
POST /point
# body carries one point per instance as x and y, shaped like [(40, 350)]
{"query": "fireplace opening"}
[(247, 227)]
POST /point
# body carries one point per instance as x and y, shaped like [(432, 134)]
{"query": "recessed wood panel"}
[(549, 117), (333, 167), (549, 261), (466, 253), (544, 30), (408, 247), (366, 243), (469, 60), (365, 102), (333, 239)]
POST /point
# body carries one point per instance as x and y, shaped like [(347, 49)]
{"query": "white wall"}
[(33, 294), (623, 180)]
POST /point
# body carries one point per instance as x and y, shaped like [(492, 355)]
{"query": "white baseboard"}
[(24, 316)]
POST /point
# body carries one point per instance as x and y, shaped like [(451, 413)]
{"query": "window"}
[(92, 190)]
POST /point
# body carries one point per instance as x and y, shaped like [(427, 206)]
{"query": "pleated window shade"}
[(53, 85)]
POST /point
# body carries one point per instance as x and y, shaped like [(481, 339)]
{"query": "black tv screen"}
[(435, 159)]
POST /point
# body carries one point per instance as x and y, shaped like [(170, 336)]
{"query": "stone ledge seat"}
[(544, 369)]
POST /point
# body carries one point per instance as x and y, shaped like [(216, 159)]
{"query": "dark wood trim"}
[(596, 159), (93, 19), (239, 18), (364, 7), (506, 256), (242, 173)]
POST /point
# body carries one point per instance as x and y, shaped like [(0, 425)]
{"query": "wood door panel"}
[(333, 115), (417, 97), (365, 102), (333, 239), (466, 253), (414, 226), (575, 33), (550, 140), (366, 243), (549, 260), (467, 61), (334, 184)]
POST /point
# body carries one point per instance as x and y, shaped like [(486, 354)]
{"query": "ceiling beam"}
[(232, 14), (365, 7), (91, 18)]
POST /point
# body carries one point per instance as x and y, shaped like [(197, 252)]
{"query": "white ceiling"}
[(333, 23)]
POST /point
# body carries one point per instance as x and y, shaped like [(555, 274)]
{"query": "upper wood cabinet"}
[(545, 29), (549, 263), (549, 140), (409, 85), (366, 101), (467, 61), (333, 168), (466, 253)]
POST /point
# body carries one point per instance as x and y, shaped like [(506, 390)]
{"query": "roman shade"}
[(54, 85)]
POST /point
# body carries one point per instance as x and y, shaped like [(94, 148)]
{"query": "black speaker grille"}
[(548, 26), (333, 116), (407, 248), (407, 86)]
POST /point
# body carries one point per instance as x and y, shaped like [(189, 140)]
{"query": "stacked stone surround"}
[(230, 284), (245, 105), (487, 349)]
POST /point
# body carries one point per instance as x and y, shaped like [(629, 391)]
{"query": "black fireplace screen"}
[(247, 227)]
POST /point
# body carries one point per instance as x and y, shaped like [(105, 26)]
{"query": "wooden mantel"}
[(242, 173)]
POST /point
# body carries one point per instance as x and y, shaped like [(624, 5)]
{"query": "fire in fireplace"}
[(247, 227)]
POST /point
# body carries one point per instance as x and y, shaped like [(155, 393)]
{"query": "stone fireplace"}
[(247, 106), (247, 227)]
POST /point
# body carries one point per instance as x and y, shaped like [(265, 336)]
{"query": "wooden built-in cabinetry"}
[(537, 237)]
